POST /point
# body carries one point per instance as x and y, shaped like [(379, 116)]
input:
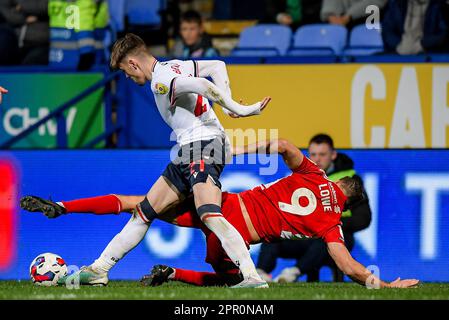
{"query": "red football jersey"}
[(305, 204)]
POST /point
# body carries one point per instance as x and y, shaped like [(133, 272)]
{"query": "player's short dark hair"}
[(129, 44), (192, 16), (352, 188), (322, 138)]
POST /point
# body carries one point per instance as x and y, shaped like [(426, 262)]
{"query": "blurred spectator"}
[(292, 13), (78, 43), (194, 41), (347, 12), (311, 254), (29, 19), (415, 26)]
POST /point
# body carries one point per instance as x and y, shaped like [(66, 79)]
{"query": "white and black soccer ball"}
[(46, 269)]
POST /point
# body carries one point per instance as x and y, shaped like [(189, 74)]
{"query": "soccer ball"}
[(46, 269)]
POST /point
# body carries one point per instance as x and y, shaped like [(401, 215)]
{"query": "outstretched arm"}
[(216, 69), (205, 88), (2, 90), (290, 153), (358, 273)]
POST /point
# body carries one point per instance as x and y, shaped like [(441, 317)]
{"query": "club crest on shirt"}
[(161, 88)]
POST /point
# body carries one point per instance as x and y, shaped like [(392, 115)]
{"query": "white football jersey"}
[(189, 115)]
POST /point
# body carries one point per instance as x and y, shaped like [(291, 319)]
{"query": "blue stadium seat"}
[(117, 13), (364, 41), (144, 12), (318, 40), (263, 40)]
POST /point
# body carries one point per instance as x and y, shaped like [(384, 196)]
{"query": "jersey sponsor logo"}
[(161, 88)]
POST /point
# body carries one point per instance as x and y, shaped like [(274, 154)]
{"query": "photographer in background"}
[(311, 254), (194, 42)]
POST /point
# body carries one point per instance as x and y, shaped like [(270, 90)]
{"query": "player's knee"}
[(146, 211), (128, 203), (208, 210)]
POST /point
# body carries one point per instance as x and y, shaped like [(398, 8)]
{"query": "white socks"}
[(234, 245), (135, 230), (131, 235)]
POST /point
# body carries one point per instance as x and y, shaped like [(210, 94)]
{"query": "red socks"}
[(203, 278), (99, 205)]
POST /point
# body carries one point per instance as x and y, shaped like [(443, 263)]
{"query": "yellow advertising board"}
[(359, 105)]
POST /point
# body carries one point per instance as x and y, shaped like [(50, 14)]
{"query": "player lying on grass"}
[(303, 204), (182, 96)]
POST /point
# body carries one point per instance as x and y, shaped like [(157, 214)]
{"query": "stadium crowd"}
[(32, 31)]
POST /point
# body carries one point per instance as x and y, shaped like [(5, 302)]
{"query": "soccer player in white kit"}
[(182, 96)]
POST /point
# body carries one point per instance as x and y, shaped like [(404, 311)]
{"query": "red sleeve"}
[(334, 234), (308, 166)]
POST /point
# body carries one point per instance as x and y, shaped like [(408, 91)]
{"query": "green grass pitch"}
[(179, 291)]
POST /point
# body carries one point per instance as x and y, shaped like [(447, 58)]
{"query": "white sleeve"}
[(201, 86), (215, 69)]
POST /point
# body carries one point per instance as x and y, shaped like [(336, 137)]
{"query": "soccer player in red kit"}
[(302, 205)]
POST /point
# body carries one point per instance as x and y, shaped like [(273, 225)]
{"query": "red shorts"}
[(216, 256)]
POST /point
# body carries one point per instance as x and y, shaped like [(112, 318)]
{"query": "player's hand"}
[(2, 90), (264, 103), (406, 283)]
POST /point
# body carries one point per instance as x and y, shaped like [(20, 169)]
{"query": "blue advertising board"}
[(408, 191)]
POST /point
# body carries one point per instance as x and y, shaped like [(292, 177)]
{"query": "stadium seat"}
[(144, 12), (364, 41), (263, 40), (318, 40), (117, 13)]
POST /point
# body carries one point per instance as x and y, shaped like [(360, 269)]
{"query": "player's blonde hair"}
[(130, 44)]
